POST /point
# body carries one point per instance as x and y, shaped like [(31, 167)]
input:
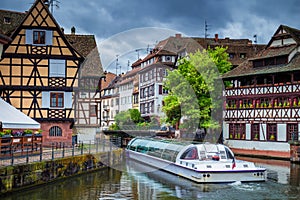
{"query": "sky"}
[(126, 29)]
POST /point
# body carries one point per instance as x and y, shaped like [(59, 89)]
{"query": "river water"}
[(283, 183)]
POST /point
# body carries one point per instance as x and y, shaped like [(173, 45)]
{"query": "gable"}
[(283, 36), (39, 22)]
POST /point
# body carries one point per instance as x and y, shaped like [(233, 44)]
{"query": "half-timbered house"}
[(38, 72), (263, 99), (87, 101)]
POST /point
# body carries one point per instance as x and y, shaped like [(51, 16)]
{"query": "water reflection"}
[(283, 183)]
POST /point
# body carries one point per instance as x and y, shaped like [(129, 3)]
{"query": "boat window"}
[(190, 154), (229, 154)]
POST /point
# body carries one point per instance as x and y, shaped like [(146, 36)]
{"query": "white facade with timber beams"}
[(262, 105), (38, 72)]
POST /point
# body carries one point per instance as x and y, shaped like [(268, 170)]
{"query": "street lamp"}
[(100, 90)]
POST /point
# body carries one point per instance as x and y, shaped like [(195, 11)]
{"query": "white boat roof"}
[(12, 118)]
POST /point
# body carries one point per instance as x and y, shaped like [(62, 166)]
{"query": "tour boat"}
[(199, 162)]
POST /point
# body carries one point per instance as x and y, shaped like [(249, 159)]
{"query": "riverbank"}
[(24, 176)]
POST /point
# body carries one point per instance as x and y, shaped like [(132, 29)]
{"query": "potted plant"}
[(7, 133), (256, 136), (28, 132), (272, 137), (38, 133)]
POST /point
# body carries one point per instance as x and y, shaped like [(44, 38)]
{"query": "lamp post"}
[(100, 88)]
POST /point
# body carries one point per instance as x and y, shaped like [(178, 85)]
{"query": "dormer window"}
[(7, 20), (39, 37), (231, 55), (242, 55), (279, 60)]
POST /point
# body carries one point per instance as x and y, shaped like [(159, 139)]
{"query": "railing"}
[(263, 89), (59, 150)]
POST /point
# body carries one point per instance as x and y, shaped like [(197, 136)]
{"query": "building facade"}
[(262, 105), (39, 71)]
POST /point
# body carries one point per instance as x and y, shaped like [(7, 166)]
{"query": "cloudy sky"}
[(126, 28)]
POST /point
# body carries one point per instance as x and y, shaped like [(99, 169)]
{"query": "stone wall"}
[(18, 177)]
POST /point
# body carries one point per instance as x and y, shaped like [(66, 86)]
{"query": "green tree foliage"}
[(127, 119), (197, 88), (173, 110)]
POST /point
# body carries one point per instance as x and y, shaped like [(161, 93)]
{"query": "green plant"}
[(1, 134), (8, 132), (27, 131)]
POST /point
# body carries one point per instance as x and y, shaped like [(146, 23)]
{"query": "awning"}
[(12, 118)]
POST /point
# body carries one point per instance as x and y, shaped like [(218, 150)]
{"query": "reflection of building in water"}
[(295, 175)]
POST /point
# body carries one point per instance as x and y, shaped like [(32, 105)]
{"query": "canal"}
[(283, 183)]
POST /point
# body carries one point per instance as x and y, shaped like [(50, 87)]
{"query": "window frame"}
[(93, 111), (56, 103), (55, 131), (38, 37)]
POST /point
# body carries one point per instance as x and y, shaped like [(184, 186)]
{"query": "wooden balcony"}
[(282, 114), (263, 89), (20, 145)]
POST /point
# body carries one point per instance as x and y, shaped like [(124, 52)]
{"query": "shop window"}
[(272, 132), (237, 131), (55, 131), (292, 132), (255, 132)]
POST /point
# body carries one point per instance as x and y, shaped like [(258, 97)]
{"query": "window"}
[(57, 68), (39, 37), (231, 55), (292, 132), (190, 154), (271, 132), (55, 131), (242, 55), (160, 89), (255, 132), (57, 100), (93, 110), (7, 20), (237, 131)]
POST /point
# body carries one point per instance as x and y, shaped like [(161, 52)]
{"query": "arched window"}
[(55, 131)]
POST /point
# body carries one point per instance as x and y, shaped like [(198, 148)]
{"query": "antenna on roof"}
[(52, 3), (206, 28), (117, 63), (255, 39), (138, 53), (128, 64)]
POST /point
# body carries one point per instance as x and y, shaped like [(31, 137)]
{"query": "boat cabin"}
[(173, 150)]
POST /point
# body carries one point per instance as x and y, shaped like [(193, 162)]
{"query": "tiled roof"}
[(110, 81), (246, 69), (275, 51), (86, 46), (15, 20)]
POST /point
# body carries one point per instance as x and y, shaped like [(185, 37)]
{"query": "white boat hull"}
[(202, 175)]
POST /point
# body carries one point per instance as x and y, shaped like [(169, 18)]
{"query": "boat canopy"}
[(169, 149), (160, 148)]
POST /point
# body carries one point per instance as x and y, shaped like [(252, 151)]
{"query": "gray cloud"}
[(228, 18)]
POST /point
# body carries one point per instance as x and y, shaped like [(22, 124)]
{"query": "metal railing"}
[(60, 150)]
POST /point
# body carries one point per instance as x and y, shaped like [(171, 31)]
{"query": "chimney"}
[(73, 30), (62, 29), (46, 2), (178, 35), (216, 37)]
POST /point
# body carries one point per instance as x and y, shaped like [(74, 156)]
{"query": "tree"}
[(127, 119), (197, 87)]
